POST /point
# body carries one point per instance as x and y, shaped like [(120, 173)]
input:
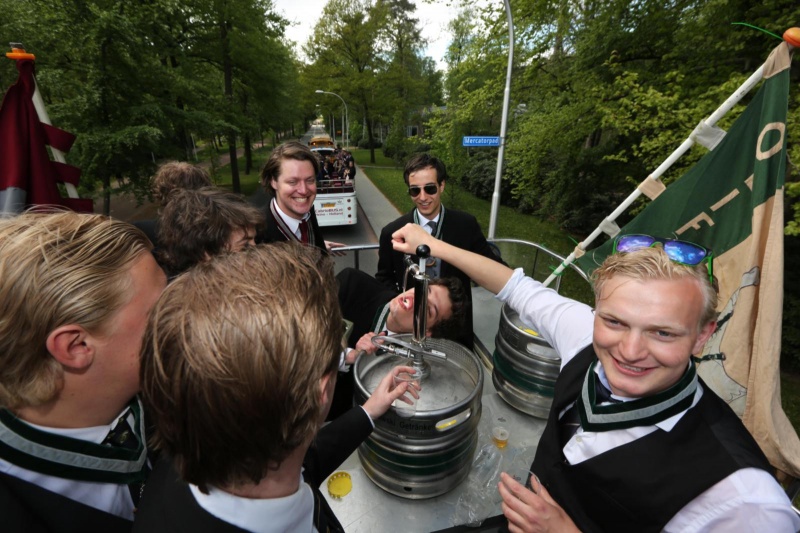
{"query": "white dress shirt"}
[(275, 515)]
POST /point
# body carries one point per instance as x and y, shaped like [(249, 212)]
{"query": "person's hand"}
[(331, 247), (365, 343), (407, 238), (386, 393), (532, 510)]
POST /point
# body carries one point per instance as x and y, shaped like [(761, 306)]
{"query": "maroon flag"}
[(27, 175)]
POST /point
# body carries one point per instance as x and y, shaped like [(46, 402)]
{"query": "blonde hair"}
[(234, 353), (57, 269), (654, 264)]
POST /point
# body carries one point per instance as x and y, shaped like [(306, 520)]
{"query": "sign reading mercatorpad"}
[(480, 141)]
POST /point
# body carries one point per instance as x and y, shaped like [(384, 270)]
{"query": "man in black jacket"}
[(635, 440), (290, 178), (238, 370), (426, 178)]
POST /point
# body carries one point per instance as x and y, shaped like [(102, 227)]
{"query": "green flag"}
[(731, 202)]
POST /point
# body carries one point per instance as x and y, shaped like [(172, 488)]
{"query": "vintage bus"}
[(336, 203)]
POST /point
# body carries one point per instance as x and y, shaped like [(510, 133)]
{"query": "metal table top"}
[(368, 508)]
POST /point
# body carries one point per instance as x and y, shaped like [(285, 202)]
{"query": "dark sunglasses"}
[(681, 252), (430, 189)]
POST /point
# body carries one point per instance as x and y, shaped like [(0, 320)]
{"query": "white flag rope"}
[(651, 186)]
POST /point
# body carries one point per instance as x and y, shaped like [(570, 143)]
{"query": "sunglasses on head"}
[(429, 189), (681, 252)]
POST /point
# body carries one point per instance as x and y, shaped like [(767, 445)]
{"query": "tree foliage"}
[(138, 81), (601, 92)]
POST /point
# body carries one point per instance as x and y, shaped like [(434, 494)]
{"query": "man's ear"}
[(327, 384), (705, 333), (70, 345), (442, 189)]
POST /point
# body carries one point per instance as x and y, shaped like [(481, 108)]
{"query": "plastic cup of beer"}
[(500, 436), (406, 409)]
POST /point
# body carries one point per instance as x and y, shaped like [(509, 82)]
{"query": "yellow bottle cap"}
[(339, 485)]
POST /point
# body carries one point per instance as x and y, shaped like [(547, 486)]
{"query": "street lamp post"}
[(346, 121)]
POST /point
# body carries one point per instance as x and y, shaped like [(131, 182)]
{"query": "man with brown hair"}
[(290, 179), (171, 176), (196, 225), (75, 292), (238, 370), (635, 440)]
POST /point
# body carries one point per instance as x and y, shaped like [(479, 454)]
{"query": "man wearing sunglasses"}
[(635, 440), (425, 177)]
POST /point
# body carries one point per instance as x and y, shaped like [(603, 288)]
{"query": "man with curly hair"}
[(196, 225)]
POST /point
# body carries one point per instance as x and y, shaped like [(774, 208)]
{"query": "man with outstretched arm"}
[(635, 440)]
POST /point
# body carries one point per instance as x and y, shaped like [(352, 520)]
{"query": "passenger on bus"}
[(169, 177), (238, 370), (425, 177), (290, 178), (635, 440)]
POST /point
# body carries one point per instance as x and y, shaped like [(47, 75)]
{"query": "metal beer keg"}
[(431, 452), (428, 451), (525, 366)]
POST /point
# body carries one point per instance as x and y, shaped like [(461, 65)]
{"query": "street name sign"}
[(480, 141)]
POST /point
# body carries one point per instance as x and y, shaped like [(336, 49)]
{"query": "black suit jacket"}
[(460, 229), (361, 297), (169, 506), (271, 233), (29, 508)]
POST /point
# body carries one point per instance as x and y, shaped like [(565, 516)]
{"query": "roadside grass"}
[(249, 182), (361, 155)]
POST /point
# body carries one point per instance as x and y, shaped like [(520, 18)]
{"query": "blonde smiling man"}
[(635, 441)]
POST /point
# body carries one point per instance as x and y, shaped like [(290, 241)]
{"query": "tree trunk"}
[(227, 69), (248, 154), (107, 195), (370, 136)]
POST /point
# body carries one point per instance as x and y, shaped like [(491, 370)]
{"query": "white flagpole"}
[(608, 225)]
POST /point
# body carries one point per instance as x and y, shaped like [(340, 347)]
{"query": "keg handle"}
[(412, 350)]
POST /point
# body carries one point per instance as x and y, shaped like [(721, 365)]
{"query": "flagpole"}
[(608, 225), (17, 53), (58, 155)]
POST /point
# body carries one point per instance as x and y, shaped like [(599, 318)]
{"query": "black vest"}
[(640, 486)]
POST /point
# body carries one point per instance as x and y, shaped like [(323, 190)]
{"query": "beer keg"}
[(430, 452), (525, 366)]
